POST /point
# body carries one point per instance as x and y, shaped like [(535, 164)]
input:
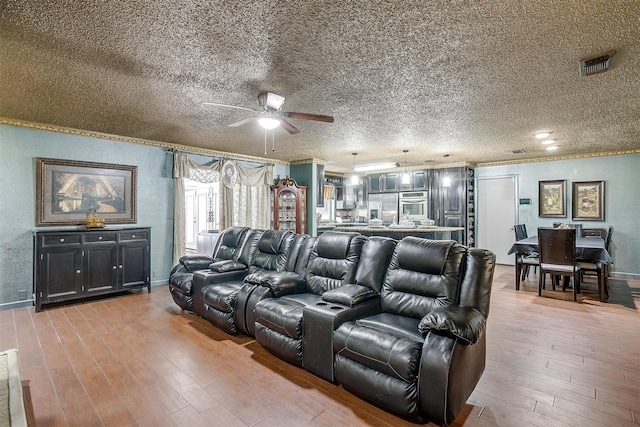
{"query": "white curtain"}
[(247, 204)]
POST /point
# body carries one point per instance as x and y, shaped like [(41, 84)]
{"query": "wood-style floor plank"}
[(138, 360)]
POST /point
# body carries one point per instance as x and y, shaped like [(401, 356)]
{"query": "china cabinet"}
[(289, 206)]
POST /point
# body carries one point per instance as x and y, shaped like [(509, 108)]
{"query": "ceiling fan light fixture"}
[(269, 122), (548, 141), (543, 134)]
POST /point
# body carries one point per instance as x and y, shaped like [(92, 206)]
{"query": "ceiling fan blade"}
[(244, 121), (228, 106), (307, 116), (289, 127)]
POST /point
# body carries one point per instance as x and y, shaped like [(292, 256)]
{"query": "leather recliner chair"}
[(227, 248), (278, 324), (253, 290), (423, 352), (225, 271), (219, 298)]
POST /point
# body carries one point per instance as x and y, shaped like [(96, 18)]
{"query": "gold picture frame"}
[(588, 201), (67, 191), (552, 200)]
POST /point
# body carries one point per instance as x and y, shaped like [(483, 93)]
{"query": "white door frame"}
[(505, 237)]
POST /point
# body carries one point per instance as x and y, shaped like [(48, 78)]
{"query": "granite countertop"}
[(401, 229)]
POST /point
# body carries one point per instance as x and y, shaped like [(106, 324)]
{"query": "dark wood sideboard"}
[(71, 265)]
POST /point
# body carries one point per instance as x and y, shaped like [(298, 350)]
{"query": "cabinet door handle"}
[(114, 267), (61, 240), (99, 237), (120, 266), (78, 271), (133, 236)]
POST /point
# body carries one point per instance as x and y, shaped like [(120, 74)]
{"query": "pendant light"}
[(446, 181), (406, 178), (355, 179)]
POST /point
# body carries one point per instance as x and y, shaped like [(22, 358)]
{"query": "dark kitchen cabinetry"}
[(72, 265), (418, 180), (380, 183), (453, 206)]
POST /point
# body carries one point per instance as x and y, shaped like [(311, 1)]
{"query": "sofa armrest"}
[(280, 282), (465, 323), (349, 295), (226, 265), (196, 262)]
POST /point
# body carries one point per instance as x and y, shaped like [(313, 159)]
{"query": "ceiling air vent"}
[(595, 65), (517, 151)]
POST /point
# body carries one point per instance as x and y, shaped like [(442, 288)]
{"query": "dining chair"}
[(557, 248), (600, 269), (524, 260)]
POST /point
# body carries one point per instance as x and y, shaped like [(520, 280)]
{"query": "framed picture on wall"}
[(552, 199), (67, 191), (588, 201)]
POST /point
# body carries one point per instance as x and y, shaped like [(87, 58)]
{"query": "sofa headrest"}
[(334, 244), (233, 237), (423, 255), (271, 241), (374, 262)]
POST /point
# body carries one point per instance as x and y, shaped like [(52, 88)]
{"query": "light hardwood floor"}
[(139, 360)]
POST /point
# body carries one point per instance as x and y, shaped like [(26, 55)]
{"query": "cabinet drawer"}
[(100, 237), (134, 235), (60, 239)]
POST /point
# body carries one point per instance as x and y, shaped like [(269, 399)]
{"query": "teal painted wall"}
[(622, 204), (305, 174), (18, 149)]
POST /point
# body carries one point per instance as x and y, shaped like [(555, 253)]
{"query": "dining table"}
[(588, 249)]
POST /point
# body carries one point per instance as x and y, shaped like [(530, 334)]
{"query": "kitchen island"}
[(434, 232)]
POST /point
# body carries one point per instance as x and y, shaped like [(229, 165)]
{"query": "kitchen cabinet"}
[(74, 265), (376, 183), (289, 206), (417, 181), (391, 182), (450, 206)]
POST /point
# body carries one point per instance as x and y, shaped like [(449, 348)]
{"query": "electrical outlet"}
[(22, 294)]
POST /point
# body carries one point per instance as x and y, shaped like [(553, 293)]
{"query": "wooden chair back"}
[(521, 231), (557, 246)]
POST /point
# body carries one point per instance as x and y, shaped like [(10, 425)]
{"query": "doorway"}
[(496, 216)]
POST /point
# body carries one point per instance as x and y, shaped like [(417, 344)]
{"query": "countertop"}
[(399, 229)]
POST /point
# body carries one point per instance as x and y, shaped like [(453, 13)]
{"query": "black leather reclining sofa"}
[(398, 323)]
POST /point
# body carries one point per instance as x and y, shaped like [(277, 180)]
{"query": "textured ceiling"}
[(473, 79)]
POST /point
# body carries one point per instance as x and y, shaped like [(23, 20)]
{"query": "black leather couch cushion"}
[(412, 289), (224, 266), (230, 243), (396, 355), (196, 262), (466, 323), (349, 295), (222, 298), (182, 282)]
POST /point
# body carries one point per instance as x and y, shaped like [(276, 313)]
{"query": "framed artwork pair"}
[(587, 199)]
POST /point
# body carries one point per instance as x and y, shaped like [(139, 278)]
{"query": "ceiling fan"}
[(270, 116)]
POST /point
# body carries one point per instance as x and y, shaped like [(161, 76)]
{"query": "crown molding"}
[(130, 140), (565, 157)]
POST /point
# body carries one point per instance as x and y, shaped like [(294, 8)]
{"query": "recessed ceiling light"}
[(548, 141), (552, 147), (541, 135)]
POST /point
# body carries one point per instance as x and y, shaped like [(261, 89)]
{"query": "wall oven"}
[(415, 205)]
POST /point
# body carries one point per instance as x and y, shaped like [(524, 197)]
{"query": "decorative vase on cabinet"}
[(289, 206)]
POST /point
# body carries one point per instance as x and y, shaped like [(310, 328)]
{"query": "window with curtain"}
[(245, 204)]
